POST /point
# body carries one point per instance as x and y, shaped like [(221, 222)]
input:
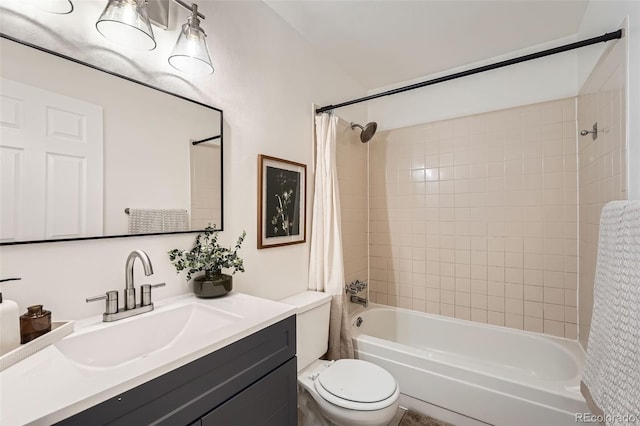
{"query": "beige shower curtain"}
[(326, 267)]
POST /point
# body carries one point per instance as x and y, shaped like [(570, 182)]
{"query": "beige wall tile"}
[(570, 315), (570, 331), (495, 288), (553, 312), (495, 318), (463, 312), (533, 309), (554, 296), (514, 321), (433, 308), (555, 328), (479, 315), (533, 324), (533, 293), (496, 303), (447, 310), (483, 224), (514, 291), (514, 306)]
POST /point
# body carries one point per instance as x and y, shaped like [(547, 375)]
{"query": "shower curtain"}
[(326, 267)]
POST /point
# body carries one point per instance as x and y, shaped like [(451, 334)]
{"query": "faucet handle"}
[(112, 301), (355, 286), (146, 292)]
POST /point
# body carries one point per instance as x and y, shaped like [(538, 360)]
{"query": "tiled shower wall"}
[(351, 162), (602, 166), (476, 218)]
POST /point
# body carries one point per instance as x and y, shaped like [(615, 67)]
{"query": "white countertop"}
[(48, 387)]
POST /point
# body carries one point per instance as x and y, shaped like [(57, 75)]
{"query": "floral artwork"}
[(281, 202)]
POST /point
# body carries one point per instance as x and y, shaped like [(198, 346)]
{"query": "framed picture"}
[(282, 199)]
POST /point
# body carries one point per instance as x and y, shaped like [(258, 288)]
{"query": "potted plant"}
[(208, 256)]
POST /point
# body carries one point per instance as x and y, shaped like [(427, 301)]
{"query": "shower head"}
[(366, 132)]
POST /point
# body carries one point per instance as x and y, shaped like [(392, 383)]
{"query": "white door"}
[(51, 165)]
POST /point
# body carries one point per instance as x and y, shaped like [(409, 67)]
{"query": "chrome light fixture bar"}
[(126, 22), (190, 54)]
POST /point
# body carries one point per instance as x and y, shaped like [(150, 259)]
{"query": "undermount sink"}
[(109, 345)]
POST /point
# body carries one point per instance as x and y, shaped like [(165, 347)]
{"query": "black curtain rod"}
[(603, 38)]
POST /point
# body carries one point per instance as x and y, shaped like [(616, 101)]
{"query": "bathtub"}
[(491, 374)]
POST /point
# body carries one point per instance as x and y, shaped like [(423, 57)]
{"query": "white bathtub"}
[(493, 374)]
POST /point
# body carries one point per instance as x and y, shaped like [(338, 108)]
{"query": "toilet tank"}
[(312, 325)]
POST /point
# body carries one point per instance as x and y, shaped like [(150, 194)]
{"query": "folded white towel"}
[(175, 220), (612, 372), (151, 221)]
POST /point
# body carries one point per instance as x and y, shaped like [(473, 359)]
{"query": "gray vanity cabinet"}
[(250, 382), (264, 403)]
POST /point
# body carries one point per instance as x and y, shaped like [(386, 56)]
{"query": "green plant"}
[(207, 255)]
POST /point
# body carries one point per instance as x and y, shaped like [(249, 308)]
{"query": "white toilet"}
[(347, 392)]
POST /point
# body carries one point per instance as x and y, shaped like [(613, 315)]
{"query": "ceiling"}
[(382, 42)]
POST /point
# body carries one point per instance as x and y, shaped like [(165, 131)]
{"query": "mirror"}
[(85, 153)]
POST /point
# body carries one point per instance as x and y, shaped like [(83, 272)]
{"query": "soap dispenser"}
[(9, 326)]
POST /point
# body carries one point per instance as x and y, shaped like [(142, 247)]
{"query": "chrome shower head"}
[(366, 132)]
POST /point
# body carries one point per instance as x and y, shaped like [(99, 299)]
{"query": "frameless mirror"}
[(85, 153)]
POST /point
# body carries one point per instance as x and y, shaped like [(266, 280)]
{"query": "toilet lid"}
[(357, 381)]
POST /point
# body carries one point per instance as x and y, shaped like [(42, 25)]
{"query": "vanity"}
[(189, 362)]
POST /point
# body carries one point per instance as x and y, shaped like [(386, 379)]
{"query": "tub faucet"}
[(353, 288), (129, 289), (359, 300)]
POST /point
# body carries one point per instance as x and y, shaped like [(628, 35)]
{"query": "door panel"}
[(55, 184)]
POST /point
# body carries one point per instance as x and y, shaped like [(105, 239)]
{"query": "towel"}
[(612, 373), (151, 221)]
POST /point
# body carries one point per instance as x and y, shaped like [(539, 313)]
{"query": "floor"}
[(404, 417)]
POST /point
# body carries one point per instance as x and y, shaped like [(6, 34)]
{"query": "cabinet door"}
[(271, 401)]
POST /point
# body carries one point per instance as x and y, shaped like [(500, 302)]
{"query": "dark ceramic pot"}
[(212, 284)]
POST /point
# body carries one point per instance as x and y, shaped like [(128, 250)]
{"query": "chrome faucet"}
[(359, 300), (129, 289), (353, 288), (112, 313)]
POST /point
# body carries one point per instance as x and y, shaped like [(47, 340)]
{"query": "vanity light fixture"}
[(190, 54), (61, 7), (127, 22)]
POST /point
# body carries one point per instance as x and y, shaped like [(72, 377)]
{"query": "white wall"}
[(607, 16), (540, 80), (266, 79)]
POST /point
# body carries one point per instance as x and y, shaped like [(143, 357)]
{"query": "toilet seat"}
[(357, 385)]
